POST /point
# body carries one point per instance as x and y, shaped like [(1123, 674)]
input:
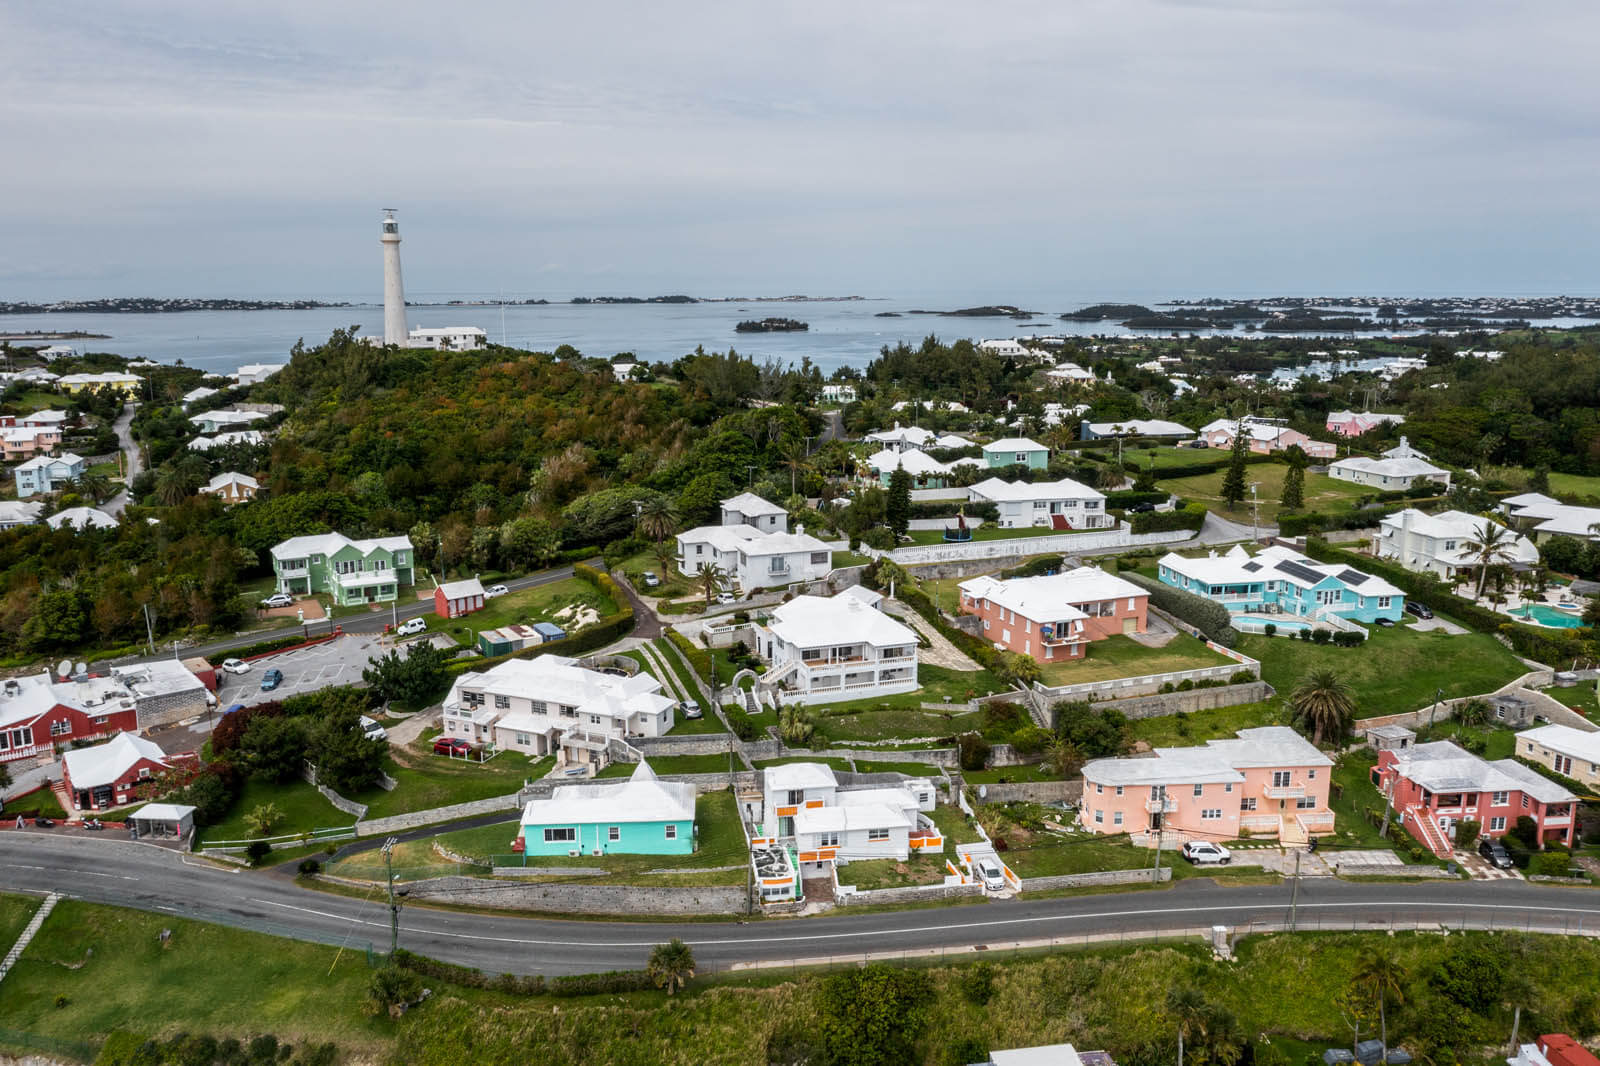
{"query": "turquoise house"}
[(1279, 583), (1016, 451), (639, 816)]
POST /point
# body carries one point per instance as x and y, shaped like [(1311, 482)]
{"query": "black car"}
[(1421, 610), (1495, 852), (1387, 623)]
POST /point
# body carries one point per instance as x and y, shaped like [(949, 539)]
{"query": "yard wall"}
[(1099, 877), (1149, 684), (583, 898), (913, 894), (308, 772), (699, 744), (992, 552), (1357, 870), (1162, 704), (1033, 792), (1548, 706), (396, 822)]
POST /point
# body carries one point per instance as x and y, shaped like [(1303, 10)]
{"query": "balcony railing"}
[(1161, 806), (1279, 792)]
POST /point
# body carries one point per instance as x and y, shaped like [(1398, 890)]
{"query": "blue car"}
[(234, 707), (271, 679)]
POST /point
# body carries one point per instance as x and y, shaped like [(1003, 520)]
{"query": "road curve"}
[(109, 870)]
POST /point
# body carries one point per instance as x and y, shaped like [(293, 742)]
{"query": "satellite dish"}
[(983, 791), (64, 667), (81, 668)]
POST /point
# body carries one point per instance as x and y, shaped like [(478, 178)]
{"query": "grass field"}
[(894, 724), (1004, 774), (1322, 493), (910, 769), (1120, 656), (1396, 670), (836, 763), (428, 780), (716, 763), (870, 874), (993, 532), (524, 607), (302, 806), (1081, 855), (1197, 727), (15, 913), (955, 826), (41, 800)]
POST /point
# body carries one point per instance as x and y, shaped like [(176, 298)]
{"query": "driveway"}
[(130, 451), (1424, 625)]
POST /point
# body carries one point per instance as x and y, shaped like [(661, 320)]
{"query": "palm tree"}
[(1490, 545), (796, 459), (94, 485), (1323, 702), (712, 580), (657, 518), (671, 965), (1382, 978)]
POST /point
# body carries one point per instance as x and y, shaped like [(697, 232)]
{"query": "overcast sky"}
[(1031, 150)]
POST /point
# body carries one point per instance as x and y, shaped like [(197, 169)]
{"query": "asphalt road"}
[(130, 450), (370, 622), (103, 869)]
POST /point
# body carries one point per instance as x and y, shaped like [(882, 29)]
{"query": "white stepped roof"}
[(748, 503), (1050, 597), (812, 621), (641, 798)]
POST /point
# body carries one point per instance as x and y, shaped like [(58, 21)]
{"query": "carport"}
[(169, 820)]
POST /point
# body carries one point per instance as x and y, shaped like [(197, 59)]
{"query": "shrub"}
[(1270, 629), (974, 751), (977, 985), (1467, 834), (1241, 677), (257, 852), (1344, 639), (1190, 516), (309, 867), (698, 658), (468, 977), (1211, 619), (1029, 740), (1322, 636), (391, 989)]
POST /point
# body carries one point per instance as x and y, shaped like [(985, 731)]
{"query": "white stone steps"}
[(28, 933)]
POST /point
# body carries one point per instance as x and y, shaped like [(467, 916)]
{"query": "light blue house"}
[(46, 473), (1015, 451), (639, 816), (1281, 586)]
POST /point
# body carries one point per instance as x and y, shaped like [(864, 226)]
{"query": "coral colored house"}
[(456, 598), (105, 775), (1055, 617), (1433, 786)]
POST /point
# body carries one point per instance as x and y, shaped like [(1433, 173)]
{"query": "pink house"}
[(456, 598), (1355, 423), (23, 442), (1434, 786), (1265, 436), (1269, 781), (1054, 617)]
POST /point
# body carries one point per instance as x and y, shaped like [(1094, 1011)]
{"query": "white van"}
[(372, 730), (412, 625)]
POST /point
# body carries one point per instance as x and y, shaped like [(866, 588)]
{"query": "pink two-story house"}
[(1433, 786), (1055, 617), (1263, 436), (1268, 781), (1355, 423)]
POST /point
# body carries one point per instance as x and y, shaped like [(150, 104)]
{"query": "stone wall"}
[(1032, 792), (308, 773), (169, 707), (1162, 704), (913, 894), (583, 898), (1357, 870), (1099, 877), (693, 744), (1548, 706), (395, 823)]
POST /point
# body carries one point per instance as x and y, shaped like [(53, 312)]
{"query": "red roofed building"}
[(1554, 1049), (105, 775)]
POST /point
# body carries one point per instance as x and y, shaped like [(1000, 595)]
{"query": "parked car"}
[(691, 709), (1202, 852), (1142, 508), (236, 666), (45, 823), (412, 625), (1495, 852), (650, 579), (1421, 610), (991, 876), (234, 707), (455, 747), (271, 679), (725, 597), (494, 590), (372, 730), (278, 599), (1387, 623)]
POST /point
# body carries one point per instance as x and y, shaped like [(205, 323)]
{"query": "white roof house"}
[(1135, 427), (828, 822), (1062, 504), (15, 513), (750, 557), (1442, 766), (199, 393), (1437, 543), (914, 462), (1582, 745), (1008, 349), (755, 511), (103, 764), (212, 421), (642, 797), (326, 544), (253, 373), (245, 436), (901, 437), (81, 518), (1551, 517), (232, 485), (1014, 444), (953, 406), (43, 418), (828, 648), (814, 621), (1043, 1055), (1069, 372), (1050, 596), (1399, 468), (447, 338), (464, 589)]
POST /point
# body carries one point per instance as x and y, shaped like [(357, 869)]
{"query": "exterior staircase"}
[(1425, 829), (28, 933), (1291, 834), (63, 796)]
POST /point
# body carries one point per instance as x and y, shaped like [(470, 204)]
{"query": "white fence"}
[(1147, 683), (1065, 543)]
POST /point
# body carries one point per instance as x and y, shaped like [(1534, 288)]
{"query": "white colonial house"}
[(1134, 427), (838, 392), (1437, 543), (901, 438), (448, 338), (750, 558), (1068, 372), (822, 649), (14, 513), (1400, 468), (553, 705), (1064, 504), (759, 514), (1546, 517), (232, 487), (224, 420), (828, 822), (255, 373), (81, 518), (222, 440)]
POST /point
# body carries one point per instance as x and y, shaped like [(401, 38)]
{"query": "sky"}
[(987, 152)]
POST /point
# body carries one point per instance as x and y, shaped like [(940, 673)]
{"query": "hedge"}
[(611, 628), (1189, 516), (1209, 618), (585, 984), (1295, 525), (1546, 646), (1125, 498), (947, 509), (699, 658), (262, 648)]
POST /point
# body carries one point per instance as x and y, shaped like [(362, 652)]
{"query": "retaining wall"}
[(1523, 686), (1359, 870), (583, 898), (1149, 684), (396, 822), (913, 894), (308, 773), (998, 551), (1099, 877), (696, 744), (1032, 792), (1200, 699)]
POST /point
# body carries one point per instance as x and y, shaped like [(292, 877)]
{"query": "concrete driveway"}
[(338, 662)]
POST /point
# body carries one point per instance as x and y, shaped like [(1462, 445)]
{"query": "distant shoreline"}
[(165, 306)]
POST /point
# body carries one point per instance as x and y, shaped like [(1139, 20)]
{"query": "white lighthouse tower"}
[(394, 290)]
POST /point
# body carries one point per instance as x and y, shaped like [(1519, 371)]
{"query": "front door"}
[(1155, 822), (1130, 626), (786, 826)]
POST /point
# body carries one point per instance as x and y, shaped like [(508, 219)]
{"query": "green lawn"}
[(673, 584), (1498, 743), (15, 913), (1168, 456), (919, 869), (1120, 656), (939, 685), (716, 763), (893, 724), (836, 763), (956, 827), (42, 800), (428, 781), (1322, 493), (524, 607), (1578, 485), (910, 769), (1352, 795), (1080, 855), (1396, 670), (1197, 727), (1580, 698), (999, 775), (993, 532), (302, 806)]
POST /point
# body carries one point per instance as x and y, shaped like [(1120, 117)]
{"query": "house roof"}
[(22, 699), (798, 776), (226, 417), (1218, 761), (1556, 517), (15, 511), (911, 461), (1443, 766), (104, 763), (163, 812), (231, 477), (1051, 597), (81, 518), (1276, 563), (748, 503), (722, 538), (1044, 1055), (41, 462), (460, 590), (558, 679), (1578, 743), (328, 543), (914, 435), (1014, 444), (811, 621), (641, 798), (1461, 527), (864, 594), (162, 677), (1021, 491), (843, 818), (1388, 467), (1140, 427), (951, 440), (243, 436)]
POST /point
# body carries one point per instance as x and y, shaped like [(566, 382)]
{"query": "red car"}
[(454, 747)]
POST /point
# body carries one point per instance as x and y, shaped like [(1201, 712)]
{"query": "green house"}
[(639, 816), (352, 571), (1016, 451)]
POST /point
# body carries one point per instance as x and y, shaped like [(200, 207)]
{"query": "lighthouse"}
[(394, 290)]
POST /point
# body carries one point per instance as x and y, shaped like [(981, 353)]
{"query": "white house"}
[(223, 420), (46, 418), (1009, 349), (759, 514), (901, 438), (1063, 504), (196, 394), (47, 473), (448, 338), (828, 823), (222, 440), (952, 406), (925, 470), (1552, 518), (81, 518), (838, 392), (232, 487), (1400, 468), (748, 555), (822, 649), (1134, 427), (1437, 543), (551, 705), (13, 513), (1065, 372), (255, 373)]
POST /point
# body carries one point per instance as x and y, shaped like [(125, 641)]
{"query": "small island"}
[(772, 325)]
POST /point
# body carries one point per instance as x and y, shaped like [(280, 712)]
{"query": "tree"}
[(1022, 669), (1491, 545), (1233, 486), (528, 543), (671, 965), (391, 989), (873, 1016), (273, 747), (1591, 611), (1210, 1032), (1382, 979), (1323, 703), (1473, 976), (712, 580), (1063, 758), (347, 761), (415, 680), (658, 518), (1294, 482), (262, 817), (796, 725), (897, 509)]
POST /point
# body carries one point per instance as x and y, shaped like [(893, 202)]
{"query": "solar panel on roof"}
[(1295, 570), (1251, 566), (1353, 577)]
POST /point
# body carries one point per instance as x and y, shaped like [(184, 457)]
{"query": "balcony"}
[(294, 569), (1161, 806), (1279, 792), (1557, 822)]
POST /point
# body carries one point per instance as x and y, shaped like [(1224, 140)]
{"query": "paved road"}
[(107, 870), (130, 450), (372, 622)]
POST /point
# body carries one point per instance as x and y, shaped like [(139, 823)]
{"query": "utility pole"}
[(394, 904), (1294, 897), (1516, 1026), (149, 630), (1255, 511), (1388, 808), (1160, 831), (1438, 694)]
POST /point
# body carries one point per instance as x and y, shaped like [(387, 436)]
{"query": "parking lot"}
[(338, 662)]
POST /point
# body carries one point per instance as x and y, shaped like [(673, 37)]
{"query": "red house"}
[(1434, 786), (1055, 617), (105, 775), (456, 598), (38, 712)]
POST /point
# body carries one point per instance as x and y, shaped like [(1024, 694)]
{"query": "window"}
[(1119, 790), (1101, 789), (1116, 817), (1199, 790), (60, 727), (827, 840), (1311, 775), (1280, 778), (1383, 602), (1499, 799), (502, 702), (672, 832), (1099, 817), (614, 833), (819, 558), (1248, 803), (1306, 803), (1524, 801), (523, 740), (560, 836), (1211, 814), (1228, 787), (1497, 824), (796, 797), (594, 719), (877, 835)]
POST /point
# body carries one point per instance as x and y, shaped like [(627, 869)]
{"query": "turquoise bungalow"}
[(639, 816), (1016, 451), (1279, 585)]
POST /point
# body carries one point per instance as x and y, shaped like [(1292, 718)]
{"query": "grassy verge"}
[(872, 874), (716, 763), (1197, 727), (956, 827), (42, 800), (1322, 493), (891, 724), (910, 769), (837, 764), (302, 807)]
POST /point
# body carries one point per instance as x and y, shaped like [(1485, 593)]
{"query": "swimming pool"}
[(1257, 623), (1543, 615)]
